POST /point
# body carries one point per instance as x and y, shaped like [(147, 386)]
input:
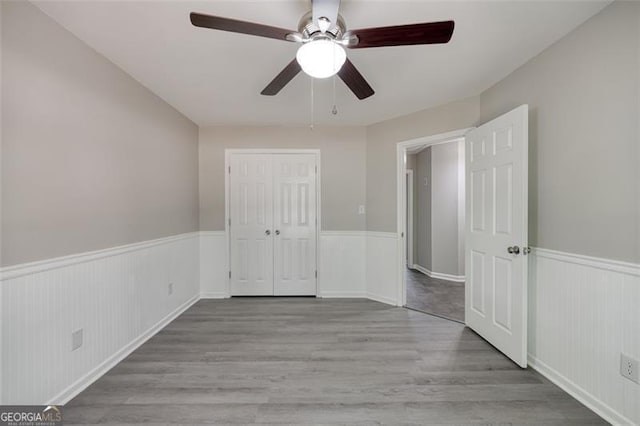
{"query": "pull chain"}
[(334, 111)]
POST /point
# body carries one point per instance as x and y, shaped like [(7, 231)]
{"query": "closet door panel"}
[(295, 214), (251, 213)]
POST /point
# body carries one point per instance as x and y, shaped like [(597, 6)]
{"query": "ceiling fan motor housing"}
[(309, 29)]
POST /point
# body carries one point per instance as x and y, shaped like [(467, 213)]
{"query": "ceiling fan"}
[(324, 35)]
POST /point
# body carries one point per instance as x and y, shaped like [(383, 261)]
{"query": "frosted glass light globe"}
[(321, 58)]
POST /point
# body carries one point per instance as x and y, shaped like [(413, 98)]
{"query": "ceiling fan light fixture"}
[(321, 58)]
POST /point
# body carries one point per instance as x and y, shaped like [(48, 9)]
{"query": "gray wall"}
[(445, 166), (342, 151), (423, 203), (438, 230), (90, 158), (583, 93), (382, 139)]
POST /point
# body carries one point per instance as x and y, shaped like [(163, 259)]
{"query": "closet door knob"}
[(277, 232), (267, 232), (514, 250)]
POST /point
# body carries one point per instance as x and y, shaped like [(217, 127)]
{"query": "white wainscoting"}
[(119, 297), (213, 265), (382, 265), (583, 312), (342, 264), (438, 275)]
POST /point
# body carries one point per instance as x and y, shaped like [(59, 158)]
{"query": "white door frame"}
[(409, 227), (227, 211), (401, 161)]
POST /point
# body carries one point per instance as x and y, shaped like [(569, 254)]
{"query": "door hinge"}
[(316, 169), (229, 169), (229, 274), (229, 221), (316, 274)]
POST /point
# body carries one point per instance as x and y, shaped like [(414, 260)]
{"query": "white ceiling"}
[(215, 77)]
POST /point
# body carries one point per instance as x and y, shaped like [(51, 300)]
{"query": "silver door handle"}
[(277, 232), (526, 250), (267, 232), (513, 250)]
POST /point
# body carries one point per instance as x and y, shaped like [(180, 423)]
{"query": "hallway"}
[(434, 296)]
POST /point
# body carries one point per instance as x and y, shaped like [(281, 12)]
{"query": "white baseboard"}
[(93, 375), (598, 407), (213, 295), (343, 295), (438, 275), (381, 299)]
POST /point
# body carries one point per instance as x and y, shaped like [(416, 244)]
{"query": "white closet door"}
[(294, 177), (496, 233), (251, 213)]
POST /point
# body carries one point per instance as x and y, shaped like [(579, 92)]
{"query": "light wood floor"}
[(320, 361)]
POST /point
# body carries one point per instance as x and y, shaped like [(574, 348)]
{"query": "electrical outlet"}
[(629, 368), (361, 210), (170, 289), (76, 339)]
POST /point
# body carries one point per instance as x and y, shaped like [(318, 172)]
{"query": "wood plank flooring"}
[(435, 296), (319, 361)]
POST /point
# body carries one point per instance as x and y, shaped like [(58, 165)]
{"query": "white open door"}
[(496, 232)]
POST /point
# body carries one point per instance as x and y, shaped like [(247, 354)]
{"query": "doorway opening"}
[(434, 273), (431, 216), (496, 206)]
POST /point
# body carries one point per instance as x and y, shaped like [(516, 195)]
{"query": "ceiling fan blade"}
[(236, 26), (325, 8), (282, 79), (402, 35), (355, 81)]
